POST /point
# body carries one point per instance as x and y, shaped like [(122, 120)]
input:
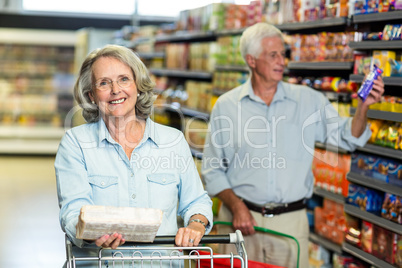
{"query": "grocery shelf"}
[(187, 112), (388, 81), (29, 147), (65, 38), (330, 147), (37, 132), (150, 55), (393, 44), (181, 73), (30, 140), (380, 150), (230, 32), (330, 195), (382, 115), (336, 96), (133, 43), (294, 26), (367, 257), (321, 65), (328, 244), (186, 36), (383, 16), (377, 220), (374, 183)]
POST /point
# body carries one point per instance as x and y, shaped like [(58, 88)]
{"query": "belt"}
[(272, 209)]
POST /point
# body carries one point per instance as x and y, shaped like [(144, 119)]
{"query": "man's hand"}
[(242, 218), (359, 121), (376, 92)]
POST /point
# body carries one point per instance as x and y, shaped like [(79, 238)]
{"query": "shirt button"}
[(102, 183), (164, 180), (133, 196)]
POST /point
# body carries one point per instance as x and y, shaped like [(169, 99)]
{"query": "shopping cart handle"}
[(207, 239)]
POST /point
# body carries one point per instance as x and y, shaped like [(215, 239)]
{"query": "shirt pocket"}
[(163, 191), (104, 190)]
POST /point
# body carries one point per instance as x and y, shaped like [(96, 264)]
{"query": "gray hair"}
[(250, 40), (84, 83)]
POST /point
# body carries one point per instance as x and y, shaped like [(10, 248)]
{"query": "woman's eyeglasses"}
[(107, 84)]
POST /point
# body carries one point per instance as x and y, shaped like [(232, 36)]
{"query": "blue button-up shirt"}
[(264, 153), (93, 169)]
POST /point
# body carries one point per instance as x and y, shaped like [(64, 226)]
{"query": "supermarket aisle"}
[(29, 227)]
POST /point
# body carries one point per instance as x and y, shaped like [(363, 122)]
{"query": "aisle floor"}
[(29, 226)]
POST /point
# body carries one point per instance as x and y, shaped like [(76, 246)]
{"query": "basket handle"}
[(265, 230), (231, 238)]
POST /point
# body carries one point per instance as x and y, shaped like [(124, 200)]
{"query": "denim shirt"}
[(264, 153), (93, 169)]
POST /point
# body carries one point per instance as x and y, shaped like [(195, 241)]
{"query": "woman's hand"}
[(190, 236), (110, 241)]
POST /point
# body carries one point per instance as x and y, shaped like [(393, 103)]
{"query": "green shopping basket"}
[(222, 263)]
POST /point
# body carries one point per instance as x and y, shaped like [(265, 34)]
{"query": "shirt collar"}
[(150, 132), (282, 93)]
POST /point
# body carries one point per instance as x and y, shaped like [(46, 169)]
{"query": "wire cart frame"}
[(131, 254)]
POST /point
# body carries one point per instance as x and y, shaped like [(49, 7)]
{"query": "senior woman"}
[(120, 157)]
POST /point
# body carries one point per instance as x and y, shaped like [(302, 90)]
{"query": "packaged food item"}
[(392, 139), (366, 199), (392, 208), (382, 135), (135, 224), (382, 243), (367, 236), (374, 126), (367, 84)]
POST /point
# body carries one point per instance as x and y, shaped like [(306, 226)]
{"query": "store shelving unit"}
[(329, 65), (376, 17), (325, 243), (367, 257), (393, 82), (181, 73), (361, 214), (324, 67), (330, 195), (388, 81), (44, 67), (380, 150), (382, 115)]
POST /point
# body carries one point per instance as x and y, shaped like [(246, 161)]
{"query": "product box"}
[(397, 258), (318, 255), (366, 199), (381, 59), (367, 236), (381, 168), (383, 241), (384, 5), (392, 208), (372, 6), (362, 163), (360, 7)]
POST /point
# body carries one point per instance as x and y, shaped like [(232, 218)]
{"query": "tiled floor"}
[(29, 227)]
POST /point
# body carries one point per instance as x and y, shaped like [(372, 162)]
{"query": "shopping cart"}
[(145, 255), (132, 254)]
